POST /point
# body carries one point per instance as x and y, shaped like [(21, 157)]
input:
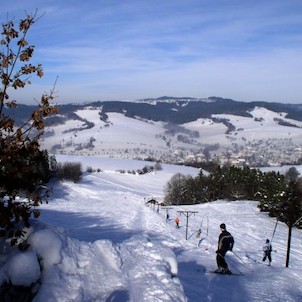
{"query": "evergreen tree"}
[(292, 174), (272, 188), (289, 210)]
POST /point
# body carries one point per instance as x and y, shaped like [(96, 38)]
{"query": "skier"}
[(198, 234), (167, 217), (225, 243), (267, 251), (177, 222)]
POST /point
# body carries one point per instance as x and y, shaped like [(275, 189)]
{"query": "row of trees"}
[(280, 195)]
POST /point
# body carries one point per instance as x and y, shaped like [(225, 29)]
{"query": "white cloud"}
[(183, 47)]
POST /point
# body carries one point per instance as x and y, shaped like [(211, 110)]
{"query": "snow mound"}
[(138, 268), (23, 269), (48, 246)]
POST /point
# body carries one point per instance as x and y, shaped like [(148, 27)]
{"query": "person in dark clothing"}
[(225, 243), (267, 251)]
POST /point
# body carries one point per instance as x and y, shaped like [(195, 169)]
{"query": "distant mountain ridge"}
[(177, 129), (186, 109), (175, 110)]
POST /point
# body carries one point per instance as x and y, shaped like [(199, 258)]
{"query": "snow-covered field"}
[(97, 240), (260, 135)]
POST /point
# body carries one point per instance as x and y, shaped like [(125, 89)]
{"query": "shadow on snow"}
[(198, 284)]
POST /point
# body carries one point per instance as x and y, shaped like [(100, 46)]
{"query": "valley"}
[(257, 137)]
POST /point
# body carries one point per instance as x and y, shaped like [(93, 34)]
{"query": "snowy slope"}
[(123, 137), (98, 241), (120, 133), (263, 125)]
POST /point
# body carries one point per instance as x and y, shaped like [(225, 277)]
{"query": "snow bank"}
[(23, 269), (47, 245), (72, 270)]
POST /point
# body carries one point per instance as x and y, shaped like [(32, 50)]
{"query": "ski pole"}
[(244, 264), (232, 265)]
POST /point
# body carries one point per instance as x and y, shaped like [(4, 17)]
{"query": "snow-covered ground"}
[(263, 125), (97, 240), (260, 135)]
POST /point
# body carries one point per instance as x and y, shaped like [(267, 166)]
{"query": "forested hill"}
[(172, 109), (176, 130)]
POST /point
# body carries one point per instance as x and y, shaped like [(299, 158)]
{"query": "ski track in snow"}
[(117, 229)]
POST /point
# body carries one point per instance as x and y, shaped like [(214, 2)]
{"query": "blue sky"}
[(131, 49)]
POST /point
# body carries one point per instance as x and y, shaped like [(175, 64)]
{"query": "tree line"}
[(279, 195)]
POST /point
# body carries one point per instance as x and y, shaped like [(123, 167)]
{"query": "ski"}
[(256, 261), (232, 274)]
